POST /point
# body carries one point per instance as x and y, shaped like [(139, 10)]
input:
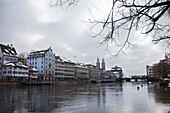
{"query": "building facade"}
[(64, 69), (149, 71), (94, 72), (81, 73), (7, 54), (33, 73), (43, 61), (117, 70), (15, 71), (110, 75), (167, 57)]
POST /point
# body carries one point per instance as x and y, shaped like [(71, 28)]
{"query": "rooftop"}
[(8, 50)]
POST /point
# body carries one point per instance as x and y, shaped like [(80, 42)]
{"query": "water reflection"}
[(87, 98), (161, 94)]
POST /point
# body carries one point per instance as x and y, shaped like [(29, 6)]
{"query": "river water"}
[(87, 98)]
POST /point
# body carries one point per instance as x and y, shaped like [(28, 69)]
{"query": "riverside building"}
[(81, 72), (7, 54), (44, 62), (149, 71), (64, 69), (10, 68), (94, 72), (15, 71)]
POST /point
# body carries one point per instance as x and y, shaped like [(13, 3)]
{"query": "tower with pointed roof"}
[(103, 64), (98, 63)]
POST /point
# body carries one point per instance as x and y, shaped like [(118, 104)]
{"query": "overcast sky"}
[(34, 25)]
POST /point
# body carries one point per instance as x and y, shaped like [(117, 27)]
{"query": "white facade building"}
[(43, 61), (15, 70), (7, 54), (149, 71)]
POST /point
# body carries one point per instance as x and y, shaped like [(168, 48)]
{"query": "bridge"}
[(136, 78)]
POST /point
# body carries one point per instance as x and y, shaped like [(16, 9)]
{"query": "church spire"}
[(103, 64), (98, 63)]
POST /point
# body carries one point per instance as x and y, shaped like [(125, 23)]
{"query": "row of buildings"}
[(45, 65), (149, 71)]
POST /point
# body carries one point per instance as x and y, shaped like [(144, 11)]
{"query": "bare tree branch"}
[(128, 15)]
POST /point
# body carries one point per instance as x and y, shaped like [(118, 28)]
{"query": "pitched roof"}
[(16, 64), (8, 50)]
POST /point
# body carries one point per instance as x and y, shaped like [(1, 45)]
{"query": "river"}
[(87, 98)]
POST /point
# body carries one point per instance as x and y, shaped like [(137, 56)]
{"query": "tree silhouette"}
[(146, 16), (160, 69)]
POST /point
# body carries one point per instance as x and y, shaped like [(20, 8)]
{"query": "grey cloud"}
[(69, 36)]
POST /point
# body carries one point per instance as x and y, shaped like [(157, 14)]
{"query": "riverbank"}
[(43, 83)]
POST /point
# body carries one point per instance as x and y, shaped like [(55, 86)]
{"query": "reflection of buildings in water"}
[(39, 99), (46, 98), (115, 88), (161, 94), (11, 99), (103, 95)]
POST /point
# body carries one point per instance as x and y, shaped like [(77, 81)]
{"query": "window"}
[(41, 66), (41, 71), (35, 67), (41, 62), (30, 63), (35, 62)]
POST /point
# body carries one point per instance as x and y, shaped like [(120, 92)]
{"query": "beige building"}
[(64, 69), (81, 73), (94, 72)]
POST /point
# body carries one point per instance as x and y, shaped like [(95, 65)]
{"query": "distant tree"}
[(23, 55), (128, 15), (160, 69)]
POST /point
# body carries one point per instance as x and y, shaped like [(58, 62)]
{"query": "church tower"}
[(98, 63), (103, 64)]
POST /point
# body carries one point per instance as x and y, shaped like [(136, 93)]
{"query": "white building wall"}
[(8, 59), (149, 71), (15, 71)]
